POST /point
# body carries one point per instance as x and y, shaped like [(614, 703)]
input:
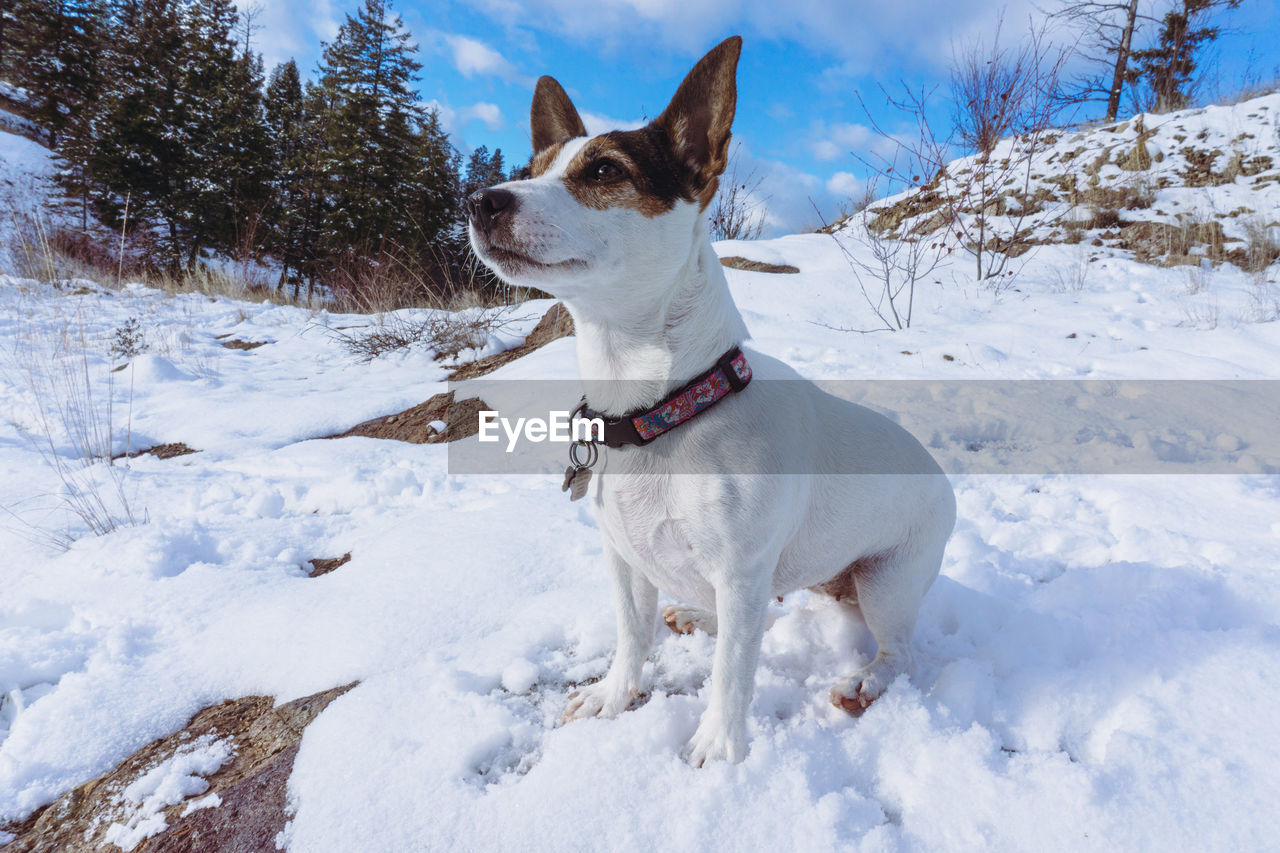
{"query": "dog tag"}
[(576, 481)]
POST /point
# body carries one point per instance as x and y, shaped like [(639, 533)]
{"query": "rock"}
[(739, 263), (251, 785), (324, 565), (419, 424), (162, 451), (556, 323)]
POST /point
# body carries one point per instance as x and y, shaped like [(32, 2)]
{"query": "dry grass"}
[(46, 251), (1073, 276), (444, 334), (71, 423), (1262, 244)]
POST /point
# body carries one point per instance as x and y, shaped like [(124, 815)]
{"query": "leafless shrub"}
[(1199, 277), (887, 269), (985, 204), (1264, 301), (1262, 244), (738, 212), (1202, 316), (1073, 276), (443, 333)]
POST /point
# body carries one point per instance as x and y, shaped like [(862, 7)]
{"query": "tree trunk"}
[(1122, 61)]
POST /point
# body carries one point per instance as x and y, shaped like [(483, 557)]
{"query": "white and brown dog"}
[(616, 227)]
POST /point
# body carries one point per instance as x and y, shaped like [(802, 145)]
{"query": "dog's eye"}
[(603, 171)]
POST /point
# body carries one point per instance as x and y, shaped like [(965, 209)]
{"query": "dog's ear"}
[(698, 119), (552, 116)]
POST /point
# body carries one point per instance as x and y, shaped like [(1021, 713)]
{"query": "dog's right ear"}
[(698, 119), (552, 116)]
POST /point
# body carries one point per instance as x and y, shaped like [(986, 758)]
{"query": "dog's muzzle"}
[(485, 207)]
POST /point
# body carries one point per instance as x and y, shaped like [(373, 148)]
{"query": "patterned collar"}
[(730, 373)]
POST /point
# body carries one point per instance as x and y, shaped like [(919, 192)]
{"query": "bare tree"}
[(1107, 29), (1004, 103), (887, 269), (738, 212)]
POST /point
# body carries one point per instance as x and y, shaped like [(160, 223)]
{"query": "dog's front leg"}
[(636, 601), (741, 604)]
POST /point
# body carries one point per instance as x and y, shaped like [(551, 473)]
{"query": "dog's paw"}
[(855, 693), (686, 620), (605, 699), (714, 741)]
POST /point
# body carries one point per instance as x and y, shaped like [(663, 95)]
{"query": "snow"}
[(168, 783), (1098, 664)]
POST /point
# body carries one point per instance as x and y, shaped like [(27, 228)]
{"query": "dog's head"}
[(599, 211)]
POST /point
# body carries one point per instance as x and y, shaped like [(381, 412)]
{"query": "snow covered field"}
[(1097, 667)]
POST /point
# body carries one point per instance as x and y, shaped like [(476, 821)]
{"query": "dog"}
[(615, 226)]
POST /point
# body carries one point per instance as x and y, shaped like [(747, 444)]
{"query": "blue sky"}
[(799, 117)]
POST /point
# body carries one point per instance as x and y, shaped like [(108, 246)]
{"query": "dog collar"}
[(729, 374)]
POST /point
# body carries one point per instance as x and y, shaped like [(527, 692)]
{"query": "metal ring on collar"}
[(593, 453)]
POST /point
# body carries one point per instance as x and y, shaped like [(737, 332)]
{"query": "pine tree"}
[(478, 168), (1169, 67), (225, 187), (390, 175), (497, 173), (58, 62), (287, 137), (435, 186), (180, 137), (140, 160), (14, 14), (483, 170)]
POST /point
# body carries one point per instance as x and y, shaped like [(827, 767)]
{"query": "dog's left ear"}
[(698, 119)]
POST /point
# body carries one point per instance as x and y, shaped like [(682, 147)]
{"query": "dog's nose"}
[(485, 206)]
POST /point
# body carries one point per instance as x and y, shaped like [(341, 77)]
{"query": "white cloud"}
[(858, 34), (787, 193), (833, 142), (489, 114), (845, 185), (283, 31), (596, 123), (447, 114), (472, 57)]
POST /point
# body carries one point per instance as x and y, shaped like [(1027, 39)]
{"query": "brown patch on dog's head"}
[(552, 117), (634, 169), (698, 120), (542, 160), (678, 156)]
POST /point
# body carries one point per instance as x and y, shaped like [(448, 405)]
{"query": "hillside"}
[(1166, 189), (338, 643)]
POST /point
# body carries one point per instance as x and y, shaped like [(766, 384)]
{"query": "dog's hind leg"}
[(889, 591), (636, 601), (686, 620)]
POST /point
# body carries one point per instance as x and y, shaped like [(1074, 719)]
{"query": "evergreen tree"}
[(180, 137), (478, 169), (367, 74), (436, 187), (1169, 67), (225, 186), (58, 63), (287, 138), (140, 161), (14, 15), (484, 170)]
